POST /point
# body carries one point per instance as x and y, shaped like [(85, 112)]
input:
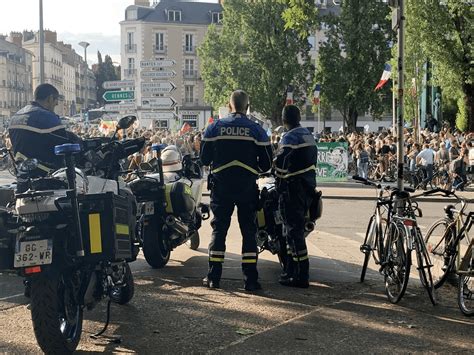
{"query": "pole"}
[(319, 117), (41, 42), (401, 40)]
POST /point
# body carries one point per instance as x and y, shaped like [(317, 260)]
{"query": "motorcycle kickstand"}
[(111, 339)]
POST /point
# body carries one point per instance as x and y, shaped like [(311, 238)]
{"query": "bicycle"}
[(446, 240), (402, 235)]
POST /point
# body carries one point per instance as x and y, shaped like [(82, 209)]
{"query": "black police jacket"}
[(236, 148), (34, 131), (297, 156)]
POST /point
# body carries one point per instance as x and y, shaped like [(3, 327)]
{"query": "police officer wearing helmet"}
[(236, 149), (295, 167), (35, 130)]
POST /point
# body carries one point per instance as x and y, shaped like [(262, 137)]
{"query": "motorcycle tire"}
[(124, 293), (57, 320), (155, 247), (193, 242)]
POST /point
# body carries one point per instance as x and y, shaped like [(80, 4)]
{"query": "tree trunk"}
[(468, 90), (352, 121)]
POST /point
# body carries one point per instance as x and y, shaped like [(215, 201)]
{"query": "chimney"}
[(50, 36), (142, 3), (16, 38)]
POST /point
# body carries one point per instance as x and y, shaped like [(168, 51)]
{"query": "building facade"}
[(171, 92), (16, 88), (64, 69)]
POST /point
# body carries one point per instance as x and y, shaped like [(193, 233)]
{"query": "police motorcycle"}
[(74, 237), (272, 231), (168, 190)]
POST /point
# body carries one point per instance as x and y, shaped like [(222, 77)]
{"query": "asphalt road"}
[(172, 313)]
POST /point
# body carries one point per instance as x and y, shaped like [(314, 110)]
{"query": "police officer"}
[(295, 168), (236, 149), (36, 129)]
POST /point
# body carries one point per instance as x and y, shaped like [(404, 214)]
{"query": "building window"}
[(131, 63), (190, 120), (189, 65), (132, 14), (174, 15), (189, 43), (130, 46), (160, 41), (217, 17), (188, 94)]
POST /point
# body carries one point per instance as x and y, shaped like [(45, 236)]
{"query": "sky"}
[(93, 21)]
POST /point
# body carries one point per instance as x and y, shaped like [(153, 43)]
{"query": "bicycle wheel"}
[(437, 240), (397, 263), (424, 267), (368, 245), (466, 294)]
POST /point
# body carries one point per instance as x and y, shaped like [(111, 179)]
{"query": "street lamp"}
[(86, 93), (41, 42)]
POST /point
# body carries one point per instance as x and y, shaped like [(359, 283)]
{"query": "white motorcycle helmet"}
[(171, 158)]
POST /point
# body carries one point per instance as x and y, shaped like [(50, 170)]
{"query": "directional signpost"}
[(158, 103), (166, 115), (126, 106), (157, 63), (118, 95), (118, 84), (158, 87), (155, 74)]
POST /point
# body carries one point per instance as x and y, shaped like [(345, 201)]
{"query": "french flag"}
[(385, 77), (316, 92)]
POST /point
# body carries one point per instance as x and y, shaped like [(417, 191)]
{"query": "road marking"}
[(9, 297)]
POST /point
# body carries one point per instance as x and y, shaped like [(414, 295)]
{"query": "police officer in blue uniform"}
[(295, 168), (36, 129), (236, 149)]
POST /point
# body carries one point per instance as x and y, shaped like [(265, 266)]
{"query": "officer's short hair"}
[(43, 91), (240, 100), (291, 115)]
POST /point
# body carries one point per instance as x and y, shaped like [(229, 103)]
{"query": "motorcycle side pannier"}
[(107, 227), (179, 198), (7, 242)]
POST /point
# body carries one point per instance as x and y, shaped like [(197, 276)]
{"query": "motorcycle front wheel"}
[(57, 318), (155, 247)]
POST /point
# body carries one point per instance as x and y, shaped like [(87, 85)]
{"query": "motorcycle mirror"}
[(28, 165), (146, 167), (126, 122)]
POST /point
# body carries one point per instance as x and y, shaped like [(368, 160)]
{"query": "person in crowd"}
[(425, 159), (237, 150)]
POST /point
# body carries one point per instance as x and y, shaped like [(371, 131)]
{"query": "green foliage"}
[(442, 31), (254, 51), (462, 120), (353, 57), (104, 71)]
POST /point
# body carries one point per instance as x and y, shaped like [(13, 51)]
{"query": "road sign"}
[(158, 102), (126, 106), (157, 63), (165, 115), (158, 87), (118, 95), (157, 74), (118, 84)]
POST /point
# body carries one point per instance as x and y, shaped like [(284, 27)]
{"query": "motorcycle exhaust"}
[(176, 225), (309, 227)]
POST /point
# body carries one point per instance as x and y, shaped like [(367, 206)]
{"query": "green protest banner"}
[(332, 162)]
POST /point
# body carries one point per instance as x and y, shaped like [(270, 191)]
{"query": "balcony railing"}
[(190, 102), (189, 49), (130, 48), (190, 74), (129, 72), (161, 49)]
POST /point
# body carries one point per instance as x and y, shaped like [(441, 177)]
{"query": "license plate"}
[(32, 253), (149, 208)]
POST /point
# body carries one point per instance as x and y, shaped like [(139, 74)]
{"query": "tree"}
[(104, 71), (253, 51), (443, 30), (352, 59)]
